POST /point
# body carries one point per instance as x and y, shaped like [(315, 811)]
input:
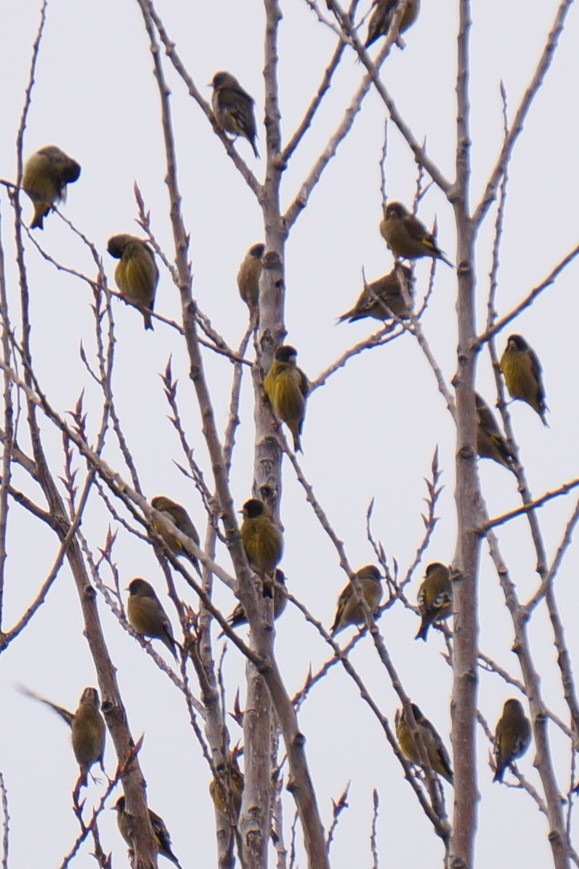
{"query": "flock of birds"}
[(46, 176)]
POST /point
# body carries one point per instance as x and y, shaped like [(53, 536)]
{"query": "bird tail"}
[(423, 632)]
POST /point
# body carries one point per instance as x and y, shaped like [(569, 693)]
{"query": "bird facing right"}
[(46, 174), (286, 388), (512, 737), (382, 16), (146, 615), (490, 443), (349, 611), (233, 108), (406, 236), (248, 276), (137, 274), (180, 518), (523, 374), (433, 745), (126, 824)]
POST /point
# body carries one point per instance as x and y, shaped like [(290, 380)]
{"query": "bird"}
[(233, 108), (512, 737), (137, 274), (46, 174), (238, 616), (382, 16), (180, 518), (433, 744), (490, 443), (523, 374), (227, 788), (383, 297), (406, 236), (248, 276), (87, 726), (349, 610), (146, 615), (126, 823), (286, 388), (434, 597), (262, 540)]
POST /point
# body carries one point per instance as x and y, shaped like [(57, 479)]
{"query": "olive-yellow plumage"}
[(248, 276), (523, 374), (287, 388), (137, 274), (406, 236), (126, 824), (181, 519), (349, 611), (227, 789), (146, 615), (512, 737), (383, 297), (382, 16), (433, 744), (490, 443), (46, 174), (434, 597), (233, 108), (261, 538)]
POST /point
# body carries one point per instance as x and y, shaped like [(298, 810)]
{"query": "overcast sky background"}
[(370, 432)]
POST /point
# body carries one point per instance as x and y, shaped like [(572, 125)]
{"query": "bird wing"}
[(60, 710)]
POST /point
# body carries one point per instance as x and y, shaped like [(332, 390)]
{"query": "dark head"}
[(285, 353), (257, 250), (161, 502), (418, 716), (117, 244), (70, 172), (141, 587), (279, 576), (369, 572), (436, 565), (253, 509), (395, 209), (517, 342), (119, 806), (223, 79), (90, 697), (513, 707)]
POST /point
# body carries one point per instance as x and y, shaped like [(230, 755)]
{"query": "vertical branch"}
[(8, 434)]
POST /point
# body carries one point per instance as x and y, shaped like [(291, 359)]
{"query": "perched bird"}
[(146, 615), (227, 789), (382, 16), (434, 597), (490, 443), (383, 297), (238, 616), (287, 387), (180, 518), (126, 823), (248, 276), (433, 744), (261, 538), (233, 108), (87, 728), (137, 274), (349, 610), (512, 737), (46, 174), (406, 236), (523, 374)]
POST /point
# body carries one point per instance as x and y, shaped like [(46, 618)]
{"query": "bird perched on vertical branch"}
[(46, 174), (261, 538), (383, 297), (227, 788), (126, 824), (523, 374), (238, 616), (433, 744), (406, 236), (381, 18), (286, 388), (146, 615), (512, 737), (490, 443), (349, 611), (180, 518), (137, 274), (248, 276), (233, 108), (87, 726), (434, 597)]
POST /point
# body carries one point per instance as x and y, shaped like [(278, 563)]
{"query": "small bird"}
[(248, 276), (137, 274), (126, 823), (180, 518), (523, 374), (512, 737), (434, 597), (261, 538), (87, 726), (382, 16), (490, 443), (233, 108), (383, 297), (227, 790), (433, 744), (406, 236), (238, 616), (287, 388), (46, 174), (146, 615), (349, 610)]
